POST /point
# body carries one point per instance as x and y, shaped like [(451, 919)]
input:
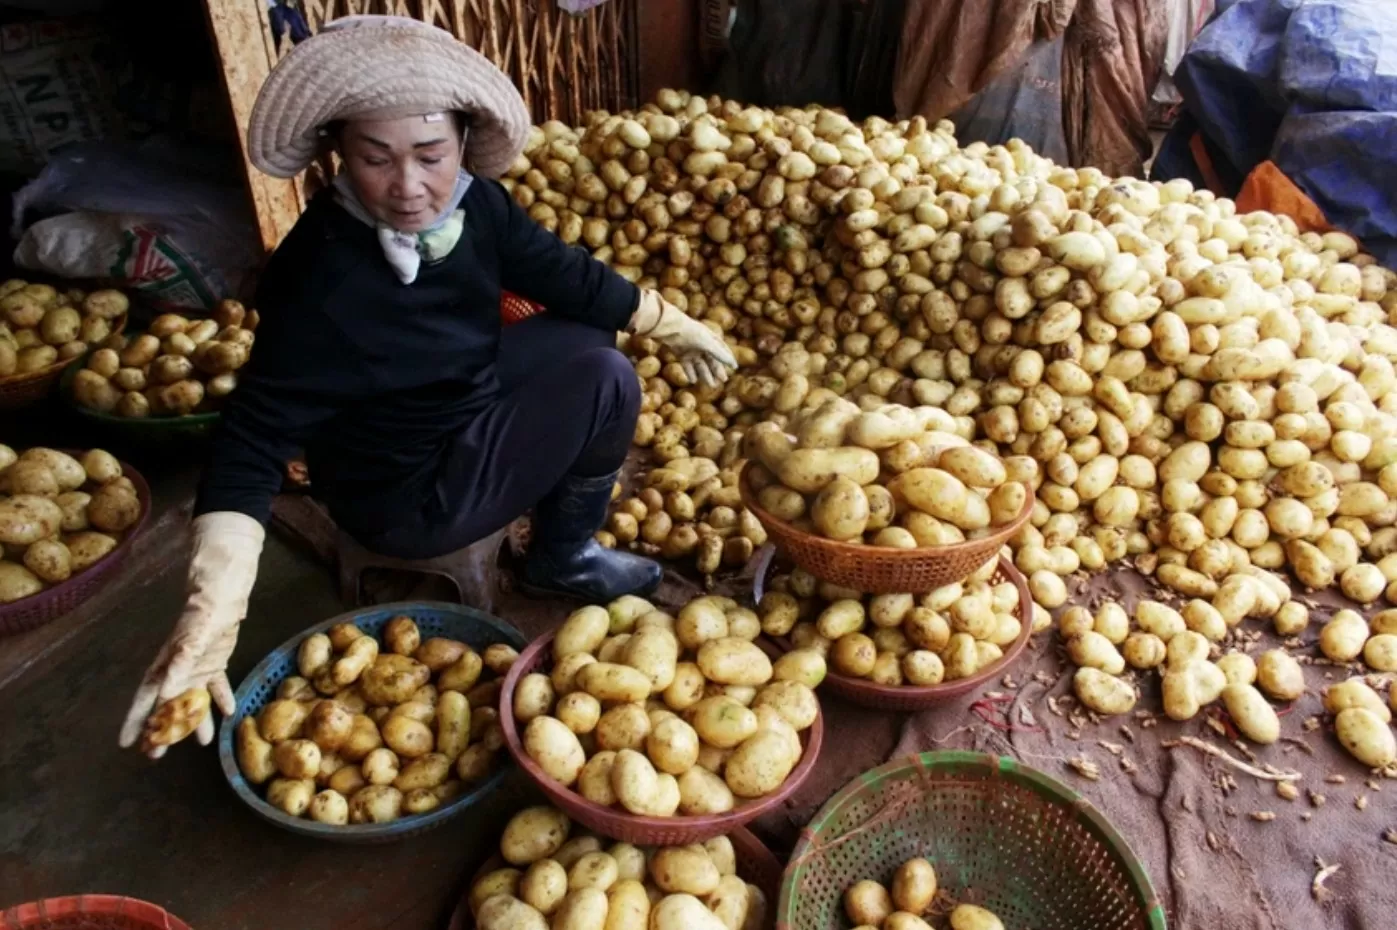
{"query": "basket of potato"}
[(652, 728), (373, 726), (884, 500), (965, 840), (67, 521), (901, 652), (43, 329), (177, 372), (548, 873)]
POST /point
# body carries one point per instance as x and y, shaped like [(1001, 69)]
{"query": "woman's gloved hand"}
[(704, 355), (222, 571)]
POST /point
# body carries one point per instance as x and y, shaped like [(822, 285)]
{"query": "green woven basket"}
[(137, 431), (999, 834)]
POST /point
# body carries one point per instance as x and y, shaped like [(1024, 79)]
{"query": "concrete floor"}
[(79, 815)]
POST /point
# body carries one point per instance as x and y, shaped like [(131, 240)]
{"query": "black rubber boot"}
[(565, 560)]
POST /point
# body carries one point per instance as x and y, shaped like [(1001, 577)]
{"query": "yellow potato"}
[(583, 631), (290, 795), (543, 886), (534, 833), (809, 470), (635, 782), (1355, 693), (1102, 692), (654, 652), (867, 903), (732, 661), (971, 917), (628, 906), (1255, 718), (407, 737), (254, 753), (533, 697), (505, 912), (683, 912), (582, 909), (1366, 736), (761, 763), (607, 681), (914, 886), (841, 510)]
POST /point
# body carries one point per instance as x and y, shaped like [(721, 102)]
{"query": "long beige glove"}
[(222, 571), (704, 355)]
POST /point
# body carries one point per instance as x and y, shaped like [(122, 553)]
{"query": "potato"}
[(380, 767), (49, 560), (505, 912), (683, 912), (1366, 736), (914, 886), (1102, 692), (329, 806), (533, 697), (347, 780), (1255, 718), (971, 917), (582, 631), (313, 655), (628, 905), (593, 870), (543, 886), (1091, 649), (793, 700), (841, 510), (402, 636), (867, 903), (1343, 637), (282, 720), (582, 909), (534, 833), (579, 712), (438, 653), (672, 746), (453, 721), (801, 665), (291, 796), (329, 725), (655, 653), (27, 518), (722, 722), (428, 771), (254, 753), (608, 681), (499, 658), (475, 763), (733, 661), (463, 674), (624, 726), (555, 748), (761, 763), (564, 675), (1355, 693), (407, 737), (635, 782), (363, 739), (1279, 675)]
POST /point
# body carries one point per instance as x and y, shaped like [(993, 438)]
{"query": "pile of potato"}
[(663, 715), (41, 326), (364, 735), (830, 478), (559, 878), (1208, 389), (662, 519), (177, 367), (913, 894), (59, 516), (915, 640), (1185, 647)]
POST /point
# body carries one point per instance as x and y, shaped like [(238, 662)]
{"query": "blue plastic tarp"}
[(1310, 85)]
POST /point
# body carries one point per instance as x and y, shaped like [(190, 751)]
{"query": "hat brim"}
[(403, 67)]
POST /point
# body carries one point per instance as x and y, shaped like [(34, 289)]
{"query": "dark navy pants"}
[(568, 406)]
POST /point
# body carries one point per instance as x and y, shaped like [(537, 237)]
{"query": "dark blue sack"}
[(1310, 85)]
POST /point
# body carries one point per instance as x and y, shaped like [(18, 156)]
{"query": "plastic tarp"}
[(1310, 85)]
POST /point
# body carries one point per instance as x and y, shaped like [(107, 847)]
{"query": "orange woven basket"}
[(878, 569), (18, 391), (90, 912)]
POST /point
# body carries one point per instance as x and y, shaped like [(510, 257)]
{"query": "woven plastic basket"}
[(134, 431), (755, 864), (514, 309), (90, 912), (455, 621), (620, 824), (877, 569), (911, 697), (18, 391), (50, 604), (999, 834)]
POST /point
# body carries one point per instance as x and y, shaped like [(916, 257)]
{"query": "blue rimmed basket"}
[(1000, 834), (454, 621)]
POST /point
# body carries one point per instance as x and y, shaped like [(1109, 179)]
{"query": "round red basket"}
[(625, 826), (867, 693), (51, 603), (878, 569), (90, 912), (755, 864)]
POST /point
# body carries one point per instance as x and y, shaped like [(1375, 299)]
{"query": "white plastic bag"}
[(144, 216)]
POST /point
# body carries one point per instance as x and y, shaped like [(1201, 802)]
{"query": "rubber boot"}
[(564, 560)]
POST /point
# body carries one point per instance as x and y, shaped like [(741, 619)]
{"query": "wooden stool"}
[(472, 570)]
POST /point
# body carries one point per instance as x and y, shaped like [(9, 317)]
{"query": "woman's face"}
[(404, 170)]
